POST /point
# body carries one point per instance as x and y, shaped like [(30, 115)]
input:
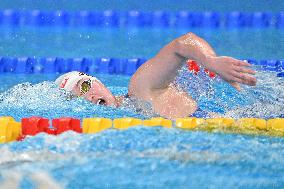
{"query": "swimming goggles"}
[(85, 86)]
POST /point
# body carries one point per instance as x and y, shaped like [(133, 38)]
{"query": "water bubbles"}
[(139, 106)]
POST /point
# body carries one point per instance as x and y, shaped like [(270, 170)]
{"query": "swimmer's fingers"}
[(241, 63), (244, 78), (235, 85), (244, 70), (241, 73), (237, 80), (233, 70)]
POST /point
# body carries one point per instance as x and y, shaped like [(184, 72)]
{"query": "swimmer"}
[(153, 81)]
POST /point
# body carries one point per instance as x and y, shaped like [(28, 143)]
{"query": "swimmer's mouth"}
[(101, 102)]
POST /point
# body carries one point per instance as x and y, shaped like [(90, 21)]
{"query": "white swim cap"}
[(69, 80)]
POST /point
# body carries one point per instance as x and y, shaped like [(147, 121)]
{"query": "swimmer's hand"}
[(231, 70)]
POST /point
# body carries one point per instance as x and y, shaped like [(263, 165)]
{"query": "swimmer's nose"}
[(99, 94)]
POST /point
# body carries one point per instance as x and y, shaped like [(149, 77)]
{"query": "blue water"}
[(140, 157), (28, 95), (148, 158), (192, 5), (130, 42)]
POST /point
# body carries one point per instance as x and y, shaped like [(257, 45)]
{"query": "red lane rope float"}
[(34, 125), (195, 68), (64, 124), (209, 73)]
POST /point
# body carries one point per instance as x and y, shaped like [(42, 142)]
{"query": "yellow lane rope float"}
[(10, 130)]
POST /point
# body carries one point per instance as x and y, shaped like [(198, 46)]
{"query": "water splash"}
[(39, 179), (264, 100), (46, 100)]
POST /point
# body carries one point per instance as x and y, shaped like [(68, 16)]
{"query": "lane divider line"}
[(119, 66)]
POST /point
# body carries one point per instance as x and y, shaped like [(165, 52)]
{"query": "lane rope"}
[(10, 130), (120, 66)]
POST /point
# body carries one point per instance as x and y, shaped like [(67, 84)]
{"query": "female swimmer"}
[(152, 82)]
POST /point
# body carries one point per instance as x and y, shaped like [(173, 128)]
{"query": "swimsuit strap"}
[(126, 96)]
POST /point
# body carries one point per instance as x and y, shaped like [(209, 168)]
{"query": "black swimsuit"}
[(199, 113), (126, 96)]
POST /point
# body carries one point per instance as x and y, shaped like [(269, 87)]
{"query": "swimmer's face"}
[(94, 92)]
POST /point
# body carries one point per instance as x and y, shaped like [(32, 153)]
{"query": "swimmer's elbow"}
[(182, 44), (178, 47)]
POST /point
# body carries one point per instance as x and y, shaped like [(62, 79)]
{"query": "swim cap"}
[(69, 80)]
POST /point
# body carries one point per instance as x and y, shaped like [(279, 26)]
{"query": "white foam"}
[(41, 180)]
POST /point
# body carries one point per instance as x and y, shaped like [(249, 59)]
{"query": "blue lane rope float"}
[(120, 66), (281, 74), (111, 18), (49, 65)]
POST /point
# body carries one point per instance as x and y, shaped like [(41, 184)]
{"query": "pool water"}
[(146, 158), (29, 95), (140, 157), (124, 5), (135, 42)]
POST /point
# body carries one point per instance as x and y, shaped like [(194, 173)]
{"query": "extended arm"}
[(232, 70), (161, 70)]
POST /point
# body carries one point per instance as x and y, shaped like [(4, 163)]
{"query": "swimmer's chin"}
[(113, 104)]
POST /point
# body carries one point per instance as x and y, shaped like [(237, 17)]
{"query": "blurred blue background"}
[(255, 43), (173, 5)]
